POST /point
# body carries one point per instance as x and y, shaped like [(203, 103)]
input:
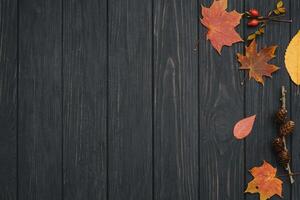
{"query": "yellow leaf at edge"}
[(279, 4), (292, 59)]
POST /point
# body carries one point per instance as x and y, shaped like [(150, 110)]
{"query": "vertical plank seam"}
[(244, 104), (17, 107), (153, 98), (198, 93), (62, 100), (107, 99)]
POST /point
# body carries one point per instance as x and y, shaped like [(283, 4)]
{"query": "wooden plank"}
[(130, 100), (8, 99), (40, 129), (85, 99), (264, 100), (175, 100), (295, 104), (221, 106)]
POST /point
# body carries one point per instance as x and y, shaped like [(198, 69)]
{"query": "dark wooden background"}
[(106, 100)]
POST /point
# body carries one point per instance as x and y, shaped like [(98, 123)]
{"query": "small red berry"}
[(254, 12), (253, 22)]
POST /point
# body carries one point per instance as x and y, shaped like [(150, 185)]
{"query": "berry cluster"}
[(253, 21), (257, 20)]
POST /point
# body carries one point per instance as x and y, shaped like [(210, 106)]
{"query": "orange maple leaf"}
[(265, 182), (256, 62), (221, 24)]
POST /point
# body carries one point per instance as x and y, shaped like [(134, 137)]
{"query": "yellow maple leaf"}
[(265, 182), (292, 59)]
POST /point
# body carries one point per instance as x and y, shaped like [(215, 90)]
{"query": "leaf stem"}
[(196, 45)]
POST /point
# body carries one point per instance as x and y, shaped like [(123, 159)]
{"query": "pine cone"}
[(284, 158), (286, 128), (278, 145), (281, 116)]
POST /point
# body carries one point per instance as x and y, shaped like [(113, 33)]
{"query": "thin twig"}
[(282, 20), (274, 18), (290, 174), (283, 105)]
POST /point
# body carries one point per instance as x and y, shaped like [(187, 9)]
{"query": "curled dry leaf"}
[(265, 182), (257, 62), (292, 59), (221, 24), (243, 127)]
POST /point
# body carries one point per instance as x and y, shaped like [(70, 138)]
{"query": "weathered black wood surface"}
[(39, 100), (175, 100), (84, 79), (106, 100), (8, 98), (130, 100)]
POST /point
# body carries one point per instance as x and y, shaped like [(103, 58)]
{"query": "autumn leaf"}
[(265, 182), (221, 24), (292, 59), (243, 127), (257, 62)]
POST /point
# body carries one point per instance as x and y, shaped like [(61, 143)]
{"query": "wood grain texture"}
[(85, 99), (39, 100), (8, 99), (264, 101), (295, 105), (130, 100), (175, 100), (221, 106), (109, 101)]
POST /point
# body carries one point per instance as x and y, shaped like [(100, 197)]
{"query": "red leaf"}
[(243, 127), (221, 24)]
